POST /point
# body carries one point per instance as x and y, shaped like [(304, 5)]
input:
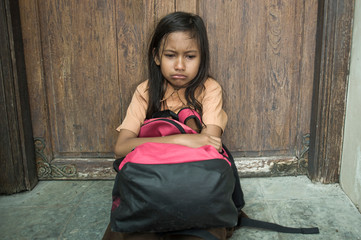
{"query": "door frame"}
[(17, 154), (333, 47), (332, 54)]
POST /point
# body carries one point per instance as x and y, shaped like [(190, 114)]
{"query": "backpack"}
[(169, 188)]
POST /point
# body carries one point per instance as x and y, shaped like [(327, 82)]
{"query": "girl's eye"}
[(191, 56), (169, 55)]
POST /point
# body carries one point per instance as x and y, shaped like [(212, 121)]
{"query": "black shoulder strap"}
[(237, 196), (248, 222), (117, 163), (165, 114), (244, 220)]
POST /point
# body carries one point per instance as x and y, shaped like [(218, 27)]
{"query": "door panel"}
[(80, 73), (84, 60), (257, 54)]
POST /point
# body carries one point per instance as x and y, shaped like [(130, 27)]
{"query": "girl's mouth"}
[(178, 76)]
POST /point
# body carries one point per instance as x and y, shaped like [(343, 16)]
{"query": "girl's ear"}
[(156, 58)]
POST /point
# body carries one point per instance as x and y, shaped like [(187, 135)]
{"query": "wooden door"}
[(85, 58)]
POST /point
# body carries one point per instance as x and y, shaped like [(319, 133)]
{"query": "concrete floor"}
[(80, 210)]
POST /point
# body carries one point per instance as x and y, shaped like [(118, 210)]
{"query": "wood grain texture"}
[(134, 21), (86, 58), (10, 153), (270, 166), (80, 70), (280, 80), (306, 68), (330, 87), (190, 6), (162, 8), (17, 157), (35, 72), (87, 168), (258, 57)]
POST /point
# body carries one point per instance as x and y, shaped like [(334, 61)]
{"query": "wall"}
[(350, 178)]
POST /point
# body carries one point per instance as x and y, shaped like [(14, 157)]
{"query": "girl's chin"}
[(177, 84)]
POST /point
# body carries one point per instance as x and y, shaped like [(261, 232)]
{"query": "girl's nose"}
[(179, 65)]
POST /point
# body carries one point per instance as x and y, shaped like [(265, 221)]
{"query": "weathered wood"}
[(330, 87), (135, 22), (102, 168), (257, 50), (162, 8), (306, 76), (31, 28), (271, 166), (85, 59), (81, 76), (17, 158), (187, 6), (84, 168)]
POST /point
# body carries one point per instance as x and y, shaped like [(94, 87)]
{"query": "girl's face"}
[(179, 59)]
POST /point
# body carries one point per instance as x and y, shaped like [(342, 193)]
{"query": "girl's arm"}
[(127, 140)]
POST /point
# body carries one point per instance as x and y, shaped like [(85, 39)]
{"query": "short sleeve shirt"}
[(210, 98)]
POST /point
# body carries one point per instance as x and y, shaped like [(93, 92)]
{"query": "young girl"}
[(178, 63)]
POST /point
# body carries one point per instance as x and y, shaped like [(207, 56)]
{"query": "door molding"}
[(333, 45)]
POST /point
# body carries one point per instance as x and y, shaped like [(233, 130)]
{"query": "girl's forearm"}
[(122, 148)]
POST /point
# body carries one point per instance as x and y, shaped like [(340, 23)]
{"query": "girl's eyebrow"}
[(173, 51)]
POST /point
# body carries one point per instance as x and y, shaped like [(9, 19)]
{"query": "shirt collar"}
[(170, 90)]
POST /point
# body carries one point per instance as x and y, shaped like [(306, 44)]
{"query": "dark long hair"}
[(174, 22)]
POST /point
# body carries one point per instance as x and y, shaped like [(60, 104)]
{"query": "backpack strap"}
[(166, 114), (187, 113), (237, 196), (244, 221), (117, 162)]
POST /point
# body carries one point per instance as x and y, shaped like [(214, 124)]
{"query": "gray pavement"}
[(80, 210)]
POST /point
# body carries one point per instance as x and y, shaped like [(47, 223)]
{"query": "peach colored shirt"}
[(174, 100)]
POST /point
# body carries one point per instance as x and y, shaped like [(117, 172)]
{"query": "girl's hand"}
[(215, 133), (199, 140), (211, 135)]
